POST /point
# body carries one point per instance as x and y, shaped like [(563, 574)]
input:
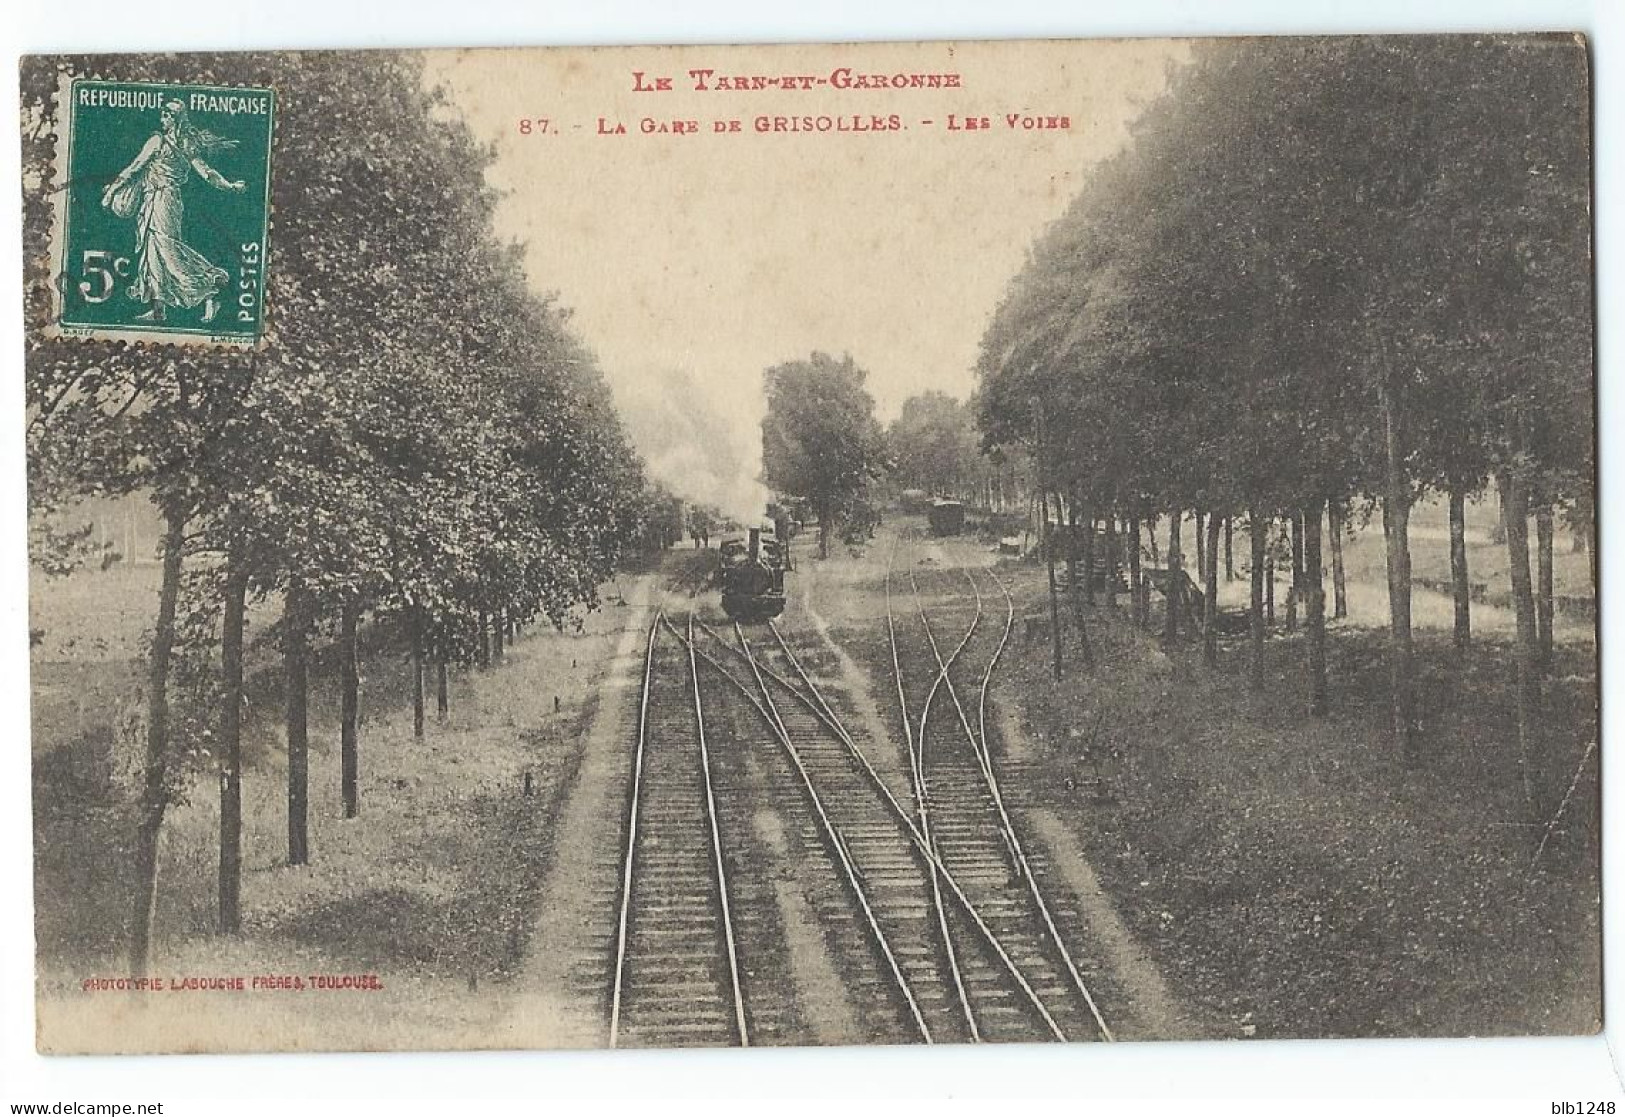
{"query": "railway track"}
[(978, 838), (930, 907), (699, 955), (794, 851), (676, 974), (983, 959), (915, 745), (869, 848)]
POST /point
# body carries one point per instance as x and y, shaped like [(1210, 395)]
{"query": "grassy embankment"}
[(1289, 872), (433, 887)]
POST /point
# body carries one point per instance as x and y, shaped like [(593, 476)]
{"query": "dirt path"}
[(820, 990), (560, 999), (884, 751)]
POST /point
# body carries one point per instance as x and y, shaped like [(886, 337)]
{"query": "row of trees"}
[(1325, 275), (822, 444), (423, 444)]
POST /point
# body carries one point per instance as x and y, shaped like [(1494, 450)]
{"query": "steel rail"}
[(843, 854), (832, 720), (985, 758), (716, 846), (942, 674), (998, 797), (916, 762), (831, 830), (632, 833)]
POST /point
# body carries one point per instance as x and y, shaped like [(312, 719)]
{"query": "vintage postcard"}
[(893, 543)]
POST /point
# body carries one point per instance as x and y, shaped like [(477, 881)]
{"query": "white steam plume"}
[(705, 450)]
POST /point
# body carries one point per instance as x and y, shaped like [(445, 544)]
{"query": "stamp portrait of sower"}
[(168, 271)]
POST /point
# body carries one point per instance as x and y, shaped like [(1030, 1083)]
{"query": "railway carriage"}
[(947, 517)]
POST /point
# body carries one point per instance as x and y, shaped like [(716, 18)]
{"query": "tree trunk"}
[(1176, 582), (349, 709), (231, 747), (1314, 606), (1070, 511), (1151, 530), (1296, 589), (825, 528), (1460, 589), (1229, 549), (1543, 588), (442, 691), (1592, 547), (1047, 541), (1136, 591), (1340, 596), (483, 651), (296, 670), (1088, 555), (417, 673), (1269, 591), (1515, 518), (497, 628), (1199, 522), (1214, 554), (1080, 594), (1210, 603), (1111, 561), (1396, 518), (1257, 533), (155, 781)]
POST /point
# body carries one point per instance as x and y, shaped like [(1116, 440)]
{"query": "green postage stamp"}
[(162, 220)]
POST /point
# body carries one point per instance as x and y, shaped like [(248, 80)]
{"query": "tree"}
[(1322, 270), (820, 440), (370, 459), (933, 445)]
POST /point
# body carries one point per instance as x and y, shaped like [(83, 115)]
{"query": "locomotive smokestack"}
[(755, 544)]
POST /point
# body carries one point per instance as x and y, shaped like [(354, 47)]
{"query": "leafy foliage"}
[(933, 444), (423, 436), (820, 439), (1297, 227), (1325, 271)]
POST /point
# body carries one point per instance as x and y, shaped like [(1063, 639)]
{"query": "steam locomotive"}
[(751, 573)]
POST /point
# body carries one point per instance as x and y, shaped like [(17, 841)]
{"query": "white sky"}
[(717, 256)]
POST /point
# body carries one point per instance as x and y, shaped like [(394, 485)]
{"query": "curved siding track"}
[(992, 973), (933, 913), (980, 840)]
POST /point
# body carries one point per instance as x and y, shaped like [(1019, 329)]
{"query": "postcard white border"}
[(1526, 1074)]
